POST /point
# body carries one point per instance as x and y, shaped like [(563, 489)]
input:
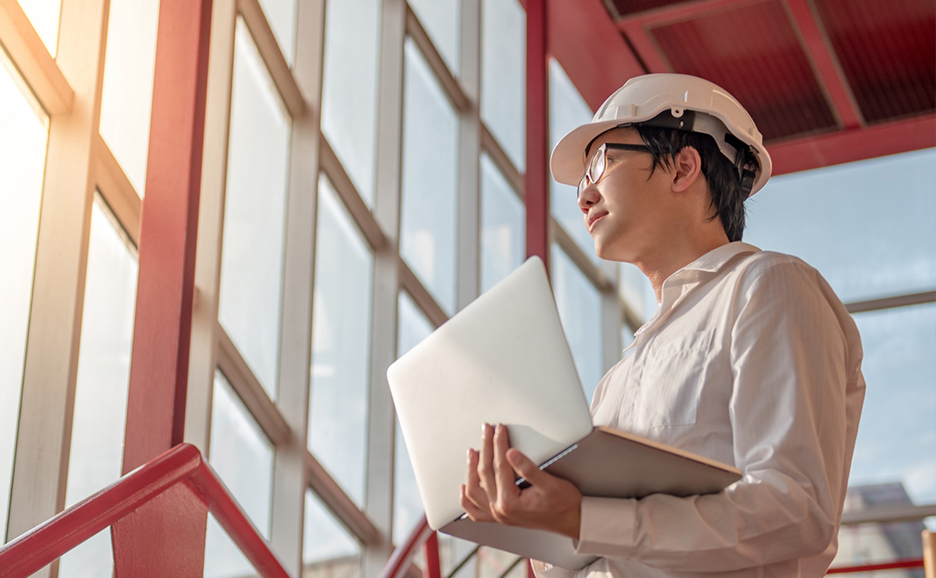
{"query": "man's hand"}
[(491, 494)]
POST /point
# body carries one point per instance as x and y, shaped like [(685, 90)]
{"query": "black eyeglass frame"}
[(601, 152)]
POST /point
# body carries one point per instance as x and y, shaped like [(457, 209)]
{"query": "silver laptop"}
[(504, 359)]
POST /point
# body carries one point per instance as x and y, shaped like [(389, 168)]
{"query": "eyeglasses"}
[(599, 162)]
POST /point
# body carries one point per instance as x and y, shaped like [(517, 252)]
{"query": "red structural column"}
[(536, 179), (161, 332)]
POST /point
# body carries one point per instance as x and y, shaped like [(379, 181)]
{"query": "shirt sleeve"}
[(790, 361)]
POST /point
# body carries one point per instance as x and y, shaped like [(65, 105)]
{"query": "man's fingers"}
[(486, 463), (473, 488), (474, 512), (503, 472), (524, 466)]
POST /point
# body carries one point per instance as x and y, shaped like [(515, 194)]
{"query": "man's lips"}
[(593, 220)]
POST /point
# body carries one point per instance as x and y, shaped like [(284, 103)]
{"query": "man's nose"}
[(588, 197)]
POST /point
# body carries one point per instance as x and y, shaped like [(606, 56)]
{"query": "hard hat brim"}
[(567, 161)]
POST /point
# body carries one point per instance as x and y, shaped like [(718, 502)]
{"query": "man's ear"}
[(687, 169)]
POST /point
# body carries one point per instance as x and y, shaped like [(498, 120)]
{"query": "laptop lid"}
[(502, 359)]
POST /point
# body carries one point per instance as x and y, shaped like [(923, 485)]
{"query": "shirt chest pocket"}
[(671, 382)]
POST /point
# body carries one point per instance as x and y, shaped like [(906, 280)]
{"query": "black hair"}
[(724, 184)]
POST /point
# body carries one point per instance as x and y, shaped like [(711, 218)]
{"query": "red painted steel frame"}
[(853, 145), (430, 550), (169, 221), (535, 180), (828, 71), (401, 557), (159, 483), (896, 564)]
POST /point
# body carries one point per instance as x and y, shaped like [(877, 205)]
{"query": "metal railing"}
[(176, 490)]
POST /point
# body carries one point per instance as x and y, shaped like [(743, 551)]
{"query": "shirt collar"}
[(715, 259), (682, 281)]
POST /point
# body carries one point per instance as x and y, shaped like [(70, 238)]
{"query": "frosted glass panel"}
[(254, 214), (102, 384), (579, 307), (242, 456), (341, 322), (897, 434), (328, 549), (430, 146), (349, 89), (503, 75), (23, 138), (127, 97), (567, 110), (412, 328), (442, 21), (44, 16), (869, 227), (281, 14), (503, 226)]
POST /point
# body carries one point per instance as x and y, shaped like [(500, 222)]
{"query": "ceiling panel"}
[(754, 53), (887, 51)]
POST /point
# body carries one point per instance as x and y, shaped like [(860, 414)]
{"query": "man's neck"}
[(662, 263)]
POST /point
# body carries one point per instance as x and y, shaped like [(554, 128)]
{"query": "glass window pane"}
[(102, 383), (44, 16), (254, 214), (349, 88), (412, 328), (869, 227), (23, 139), (503, 75), (579, 307), (127, 97), (875, 543), (430, 150), (328, 549), (341, 324), (567, 110), (503, 226), (281, 14), (442, 19), (897, 435), (242, 456)]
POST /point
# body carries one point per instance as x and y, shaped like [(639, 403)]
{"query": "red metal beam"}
[(535, 180), (637, 26), (853, 145), (400, 559), (896, 564), (825, 64), (431, 554), (639, 36), (151, 485), (161, 332), (590, 49)]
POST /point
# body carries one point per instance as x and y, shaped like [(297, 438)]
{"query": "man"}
[(750, 360)]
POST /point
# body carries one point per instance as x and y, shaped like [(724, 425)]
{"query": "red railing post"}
[(166, 536), (168, 227), (163, 537), (536, 178), (430, 550)]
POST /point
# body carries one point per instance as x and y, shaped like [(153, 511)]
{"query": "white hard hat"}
[(675, 101)]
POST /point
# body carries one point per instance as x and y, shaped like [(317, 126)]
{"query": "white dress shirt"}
[(753, 361)]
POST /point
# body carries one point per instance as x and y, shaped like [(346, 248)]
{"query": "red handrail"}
[(400, 559), (893, 565), (182, 464)]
